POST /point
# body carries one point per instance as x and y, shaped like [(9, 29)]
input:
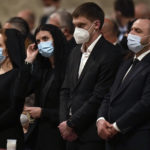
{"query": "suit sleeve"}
[(139, 113), (88, 112), (64, 97), (103, 109)]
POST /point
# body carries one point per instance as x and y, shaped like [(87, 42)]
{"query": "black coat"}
[(128, 105), (84, 95), (44, 132)]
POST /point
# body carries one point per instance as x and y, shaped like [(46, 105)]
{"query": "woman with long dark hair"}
[(11, 60), (46, 59)]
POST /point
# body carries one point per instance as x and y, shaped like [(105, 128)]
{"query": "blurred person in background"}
[(11, 106), (63, 20), (30, 18), (124, 13), (49, 7), (48, 58), (20, 25), (110, 31), (142, 10)]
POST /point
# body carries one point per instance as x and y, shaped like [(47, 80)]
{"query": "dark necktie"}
[(135, 61)]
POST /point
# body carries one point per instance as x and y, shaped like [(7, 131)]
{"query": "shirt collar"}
[(90, 48), (123, 29), (142, 55)]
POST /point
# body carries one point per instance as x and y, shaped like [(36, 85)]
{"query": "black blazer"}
[(85, 94), (129, 102)]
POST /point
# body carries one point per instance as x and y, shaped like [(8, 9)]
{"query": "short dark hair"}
[(91, 11), (126, 7), (20, 25)]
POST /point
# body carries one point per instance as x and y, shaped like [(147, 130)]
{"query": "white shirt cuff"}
[(116, 127), (100, 118)]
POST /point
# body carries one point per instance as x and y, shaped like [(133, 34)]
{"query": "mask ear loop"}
[(90, 27)]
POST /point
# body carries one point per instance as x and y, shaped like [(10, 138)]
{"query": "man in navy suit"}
[(124, 116)]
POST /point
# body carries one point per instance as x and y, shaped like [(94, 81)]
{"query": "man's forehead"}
[(80, 19), (142, 23)]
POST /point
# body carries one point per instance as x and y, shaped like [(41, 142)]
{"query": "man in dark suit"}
[(124, 116), (90, 73)]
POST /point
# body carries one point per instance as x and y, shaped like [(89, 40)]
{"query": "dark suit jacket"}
[(85, 94), (129, 103)]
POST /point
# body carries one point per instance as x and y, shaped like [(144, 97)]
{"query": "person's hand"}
[(113, 131), (104, 129), (35, 112), (66, 132), (31, 53)]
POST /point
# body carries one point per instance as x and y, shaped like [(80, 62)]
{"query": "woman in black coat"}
[(47, 59), (11, 59)]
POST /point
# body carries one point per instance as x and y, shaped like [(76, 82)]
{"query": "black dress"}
[(10, 109)]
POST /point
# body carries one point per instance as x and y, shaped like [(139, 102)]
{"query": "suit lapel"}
[(96, 51), (75, 69), (121, 72), (138, 68)]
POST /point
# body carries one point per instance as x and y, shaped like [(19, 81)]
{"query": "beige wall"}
[(9, 8)]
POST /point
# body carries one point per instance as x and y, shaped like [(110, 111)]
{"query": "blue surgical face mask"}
[(2, 57), (134, 43), (46, 49)]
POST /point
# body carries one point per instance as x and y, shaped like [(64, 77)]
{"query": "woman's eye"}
[(45, 38)]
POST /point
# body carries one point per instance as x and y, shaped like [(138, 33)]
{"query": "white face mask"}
[(81, 35), (24, 119), (134, 43)]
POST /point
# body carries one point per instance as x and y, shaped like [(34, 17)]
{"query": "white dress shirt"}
[(139, 58), (86, 54)]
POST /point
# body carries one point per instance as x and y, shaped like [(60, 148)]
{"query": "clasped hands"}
[(105, 130), (67, 133)]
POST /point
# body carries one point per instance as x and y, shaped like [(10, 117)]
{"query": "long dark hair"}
[(60, 51), (15, 48)]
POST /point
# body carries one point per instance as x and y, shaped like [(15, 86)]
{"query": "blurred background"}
[(10, 8)]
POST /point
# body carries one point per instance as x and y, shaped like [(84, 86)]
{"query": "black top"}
[(10, 109), (11, 103)]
